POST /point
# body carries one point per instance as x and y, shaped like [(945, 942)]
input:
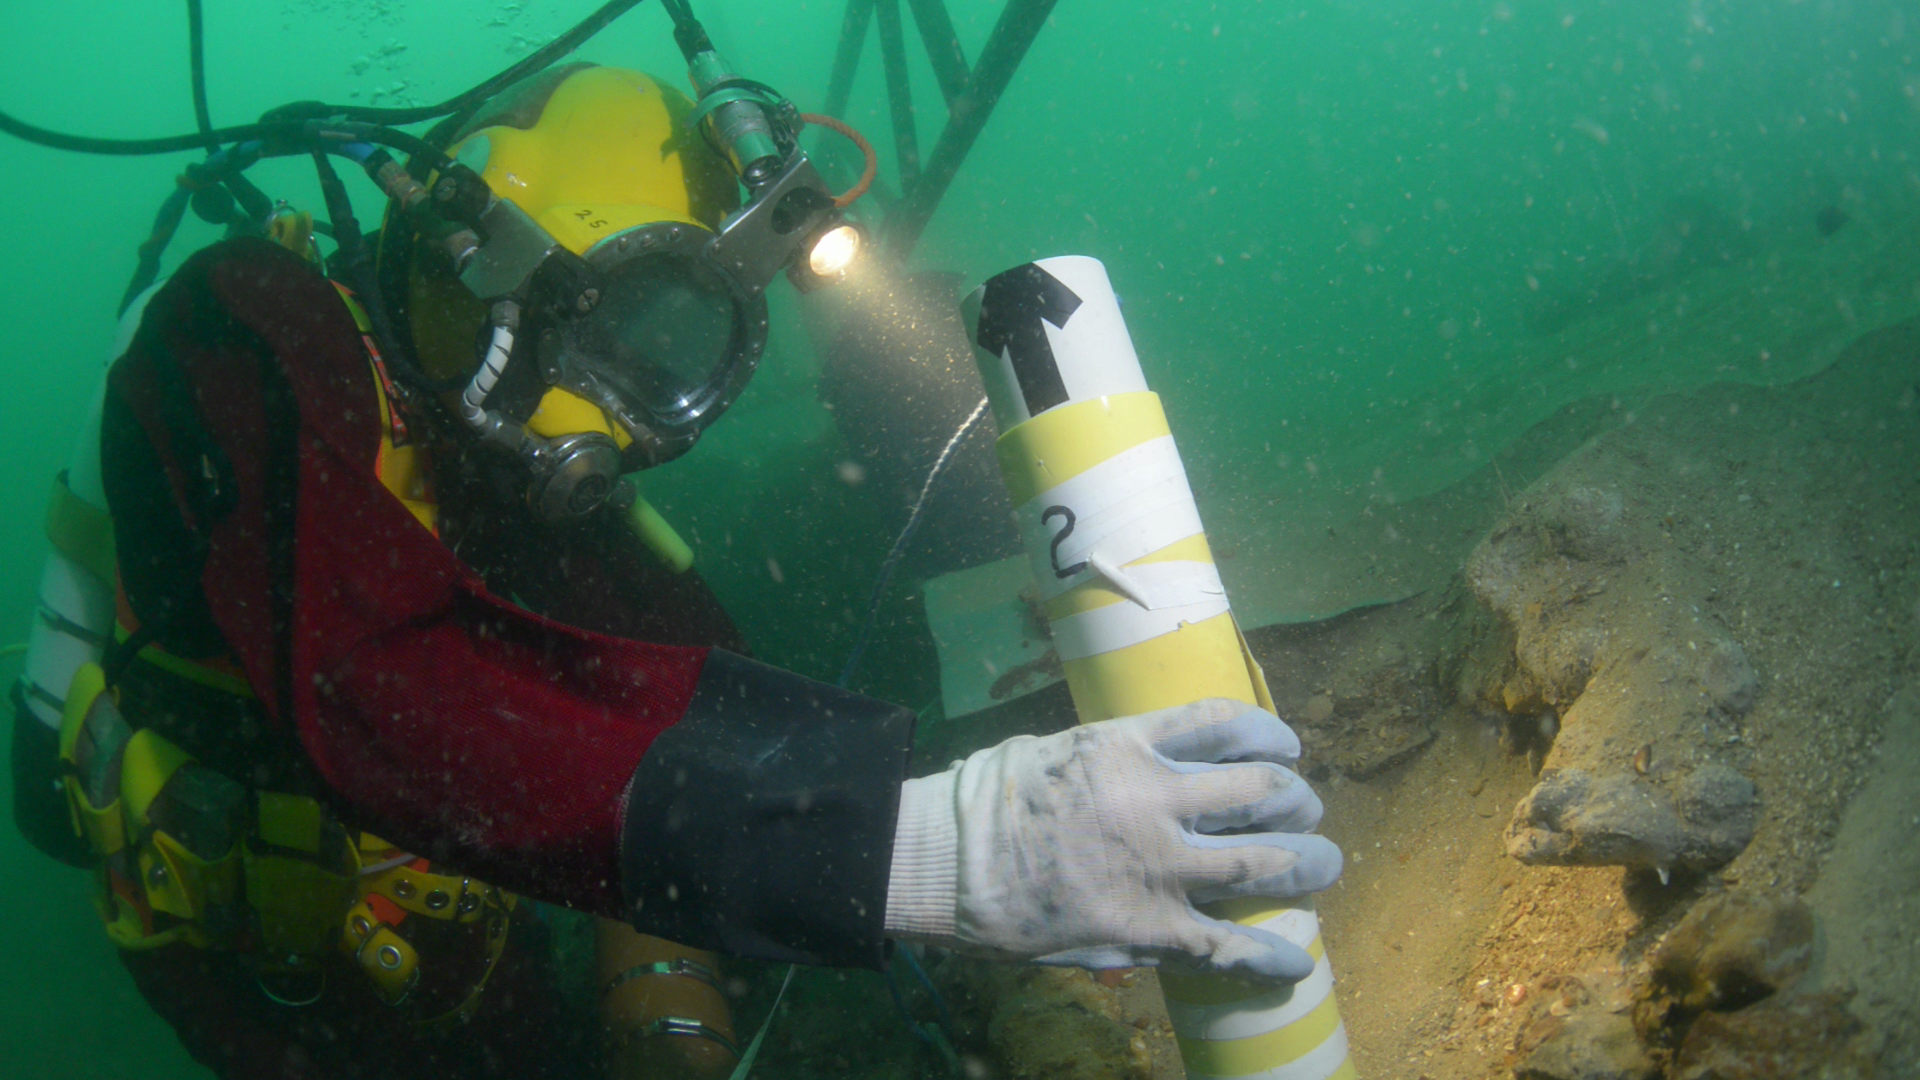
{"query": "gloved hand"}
[(1091, 846)]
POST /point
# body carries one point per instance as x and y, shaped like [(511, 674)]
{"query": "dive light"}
[(835, 251), (791, 219)]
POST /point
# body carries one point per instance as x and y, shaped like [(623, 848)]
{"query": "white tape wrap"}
[(1128, 506), (76, 613), (1260, 1015), (71, 627), (1117, 626)]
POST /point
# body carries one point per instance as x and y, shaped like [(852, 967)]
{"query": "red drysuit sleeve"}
[(451, 721)]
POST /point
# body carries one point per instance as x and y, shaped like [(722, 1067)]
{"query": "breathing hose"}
[(505, 318), (291, 119), (197, 63)]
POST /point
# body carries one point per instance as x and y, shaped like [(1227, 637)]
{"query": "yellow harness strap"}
[(293, 230), (81, 531), (301, 874), (395, 887), (400, 462), (188, 855)]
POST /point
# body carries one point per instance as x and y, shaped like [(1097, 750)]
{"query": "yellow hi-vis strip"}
[(1062, 443), (81, 531), (1241, 1057), (1198, 660), (1192, 661)]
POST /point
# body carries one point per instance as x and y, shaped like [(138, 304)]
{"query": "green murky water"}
[(1362, 247)]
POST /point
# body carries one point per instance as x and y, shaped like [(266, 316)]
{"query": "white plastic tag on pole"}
[(1083, 351)]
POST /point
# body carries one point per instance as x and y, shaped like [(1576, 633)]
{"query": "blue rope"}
[(931, 1034), (939, 1003), (935, 1034), (900, 1005), (892, 561)]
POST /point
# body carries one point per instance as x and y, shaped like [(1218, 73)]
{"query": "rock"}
[(1360, 688), (1493, 571), (1721, 806), (1730, 951), (1319, 709), (1574, 818), (1808, 1037), (1582, 523), (1062, 1025), (1590, 1045), (1528, 572), (1578, 523), (1726, 678)]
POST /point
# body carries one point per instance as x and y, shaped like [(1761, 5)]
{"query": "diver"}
[(357, 640)]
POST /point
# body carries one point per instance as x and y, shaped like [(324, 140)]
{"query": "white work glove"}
[(1091, 847)]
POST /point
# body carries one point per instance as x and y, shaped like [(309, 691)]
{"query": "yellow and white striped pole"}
[(1139, 616)]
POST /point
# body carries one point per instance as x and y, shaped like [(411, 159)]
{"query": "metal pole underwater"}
[(1139, 616)]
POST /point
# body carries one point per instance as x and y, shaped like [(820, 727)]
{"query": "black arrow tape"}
[(1011, 311)]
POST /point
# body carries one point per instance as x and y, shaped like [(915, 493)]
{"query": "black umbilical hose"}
[(278, 123), (351, 251), (221, 167), (283, 137), (308, 127), (252, 200), (353, 266), (687, 31), (146, 269), (224, 167), (197, 64)]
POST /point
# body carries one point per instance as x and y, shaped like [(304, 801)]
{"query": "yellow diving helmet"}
[(621, 280)]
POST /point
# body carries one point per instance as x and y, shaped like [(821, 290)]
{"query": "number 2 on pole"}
[(1066, 530)]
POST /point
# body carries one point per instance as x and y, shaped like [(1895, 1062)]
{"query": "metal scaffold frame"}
[(970, 94)]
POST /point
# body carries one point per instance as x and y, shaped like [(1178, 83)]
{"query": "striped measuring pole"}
[(1139, 616)]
